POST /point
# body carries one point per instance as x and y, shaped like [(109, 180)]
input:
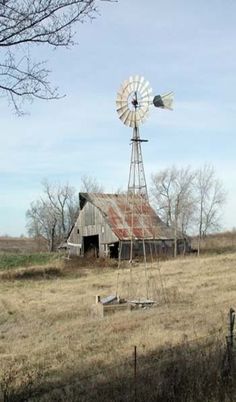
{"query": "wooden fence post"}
[(231, 325), (230, 340), (135, 373)]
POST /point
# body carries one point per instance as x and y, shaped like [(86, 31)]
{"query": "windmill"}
[(133, 102)]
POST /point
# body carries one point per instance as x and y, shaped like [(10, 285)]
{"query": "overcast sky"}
[(188, 47)]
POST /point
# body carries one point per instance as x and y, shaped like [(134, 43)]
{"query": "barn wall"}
[(153, 248), (89, 223)]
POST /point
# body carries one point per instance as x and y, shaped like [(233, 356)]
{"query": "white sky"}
[(184, 46)]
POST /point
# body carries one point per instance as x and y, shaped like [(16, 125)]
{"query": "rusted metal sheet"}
[(128, 217)]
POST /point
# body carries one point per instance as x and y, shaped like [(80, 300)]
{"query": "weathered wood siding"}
[(89, 223)]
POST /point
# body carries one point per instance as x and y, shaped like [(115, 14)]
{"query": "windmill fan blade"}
[(120, 98), (144, 115), (127, 119), (164, 101), (131, 84), (136, 84), (124, 114), (121, 109), (145, 98), (124, 89), (121, 105), (149, 91), (138, 116), (145, 109), (144, 87), (124, 85), (139, 84)]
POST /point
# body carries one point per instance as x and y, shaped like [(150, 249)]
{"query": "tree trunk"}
[(175, 242), (200, 227), (52, 240)]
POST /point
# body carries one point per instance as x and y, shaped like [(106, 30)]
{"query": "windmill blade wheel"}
[(133, 100)]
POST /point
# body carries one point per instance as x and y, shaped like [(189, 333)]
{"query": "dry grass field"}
[(22, 244), (48, 336)]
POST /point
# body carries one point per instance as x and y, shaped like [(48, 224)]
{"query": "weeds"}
[(17, 382), (217, 243), (8, 261)]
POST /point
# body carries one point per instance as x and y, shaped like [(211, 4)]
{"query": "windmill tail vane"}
[(164, 101)]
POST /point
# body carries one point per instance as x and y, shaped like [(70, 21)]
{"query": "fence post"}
[(231, 326), (135, 373), (230, 340)]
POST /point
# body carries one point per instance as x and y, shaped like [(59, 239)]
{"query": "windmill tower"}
[(133, 102)]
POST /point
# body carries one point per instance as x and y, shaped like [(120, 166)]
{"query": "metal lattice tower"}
[(134, 99), (137, 181)]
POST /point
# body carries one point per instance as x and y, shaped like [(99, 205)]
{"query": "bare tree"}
[(172, 192), (90, 184), (53, 215), (186, 198), (63, 203), (162, 193), (25, 23), (210, 196), (41, 221)]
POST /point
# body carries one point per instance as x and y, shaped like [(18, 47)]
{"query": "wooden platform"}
[(112, 304), (102, 310)]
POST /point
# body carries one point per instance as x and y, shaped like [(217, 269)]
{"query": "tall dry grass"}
[(47, 327), (217, 243)]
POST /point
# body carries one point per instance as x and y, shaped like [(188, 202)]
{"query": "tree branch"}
[(36, 22)]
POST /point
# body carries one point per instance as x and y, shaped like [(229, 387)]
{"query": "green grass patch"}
[(8, 261)]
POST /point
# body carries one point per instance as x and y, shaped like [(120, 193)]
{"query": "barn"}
[(107, 223)]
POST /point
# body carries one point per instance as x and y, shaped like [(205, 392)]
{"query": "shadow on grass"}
[(187, 373), (32, 273)]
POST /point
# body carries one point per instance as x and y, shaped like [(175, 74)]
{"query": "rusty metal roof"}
[(128, 217)]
